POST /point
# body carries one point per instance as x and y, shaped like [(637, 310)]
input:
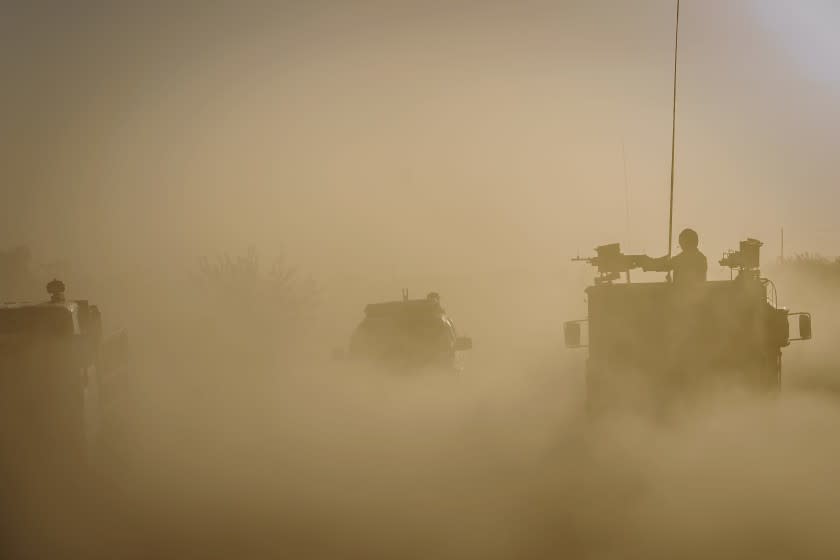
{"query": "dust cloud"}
[(248, 440), (377, 147)]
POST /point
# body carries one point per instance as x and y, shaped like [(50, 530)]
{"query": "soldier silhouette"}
[(689, 267)]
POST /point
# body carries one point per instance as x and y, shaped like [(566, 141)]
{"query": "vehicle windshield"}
[(419, 327), (406, 334), (37, 321)]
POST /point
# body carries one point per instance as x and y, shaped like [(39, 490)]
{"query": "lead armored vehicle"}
[(59, 380), (651, 341), (406, 335)]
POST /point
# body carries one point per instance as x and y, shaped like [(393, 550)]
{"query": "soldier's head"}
[(688, 239)]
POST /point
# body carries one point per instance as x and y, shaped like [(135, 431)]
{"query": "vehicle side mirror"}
[(805, 326), (571, 334), (463, 343)]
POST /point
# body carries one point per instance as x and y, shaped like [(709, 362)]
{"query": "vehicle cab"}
[(408, 334)]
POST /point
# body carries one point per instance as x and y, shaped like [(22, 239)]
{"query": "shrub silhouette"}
[(810, 268)]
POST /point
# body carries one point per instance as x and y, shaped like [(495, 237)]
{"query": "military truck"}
[(650, 341), (407, 335), (59, 379)]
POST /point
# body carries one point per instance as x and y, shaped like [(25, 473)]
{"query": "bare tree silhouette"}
[(261, 311)]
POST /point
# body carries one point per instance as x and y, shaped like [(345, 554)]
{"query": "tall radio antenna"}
[(626, 193), (673, 134)]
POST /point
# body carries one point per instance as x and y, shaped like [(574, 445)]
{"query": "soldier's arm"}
[(662, 264)]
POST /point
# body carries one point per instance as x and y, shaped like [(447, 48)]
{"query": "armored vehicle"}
[(408, 334), (653, 340), (58, 379)]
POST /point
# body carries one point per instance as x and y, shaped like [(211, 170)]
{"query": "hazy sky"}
[(473, 133)]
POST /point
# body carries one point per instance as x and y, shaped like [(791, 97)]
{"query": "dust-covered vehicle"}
[(406, 335), (60, 381), (656, 340)]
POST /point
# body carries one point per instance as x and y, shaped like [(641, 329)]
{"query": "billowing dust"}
[(439, 147), (250, 441)]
